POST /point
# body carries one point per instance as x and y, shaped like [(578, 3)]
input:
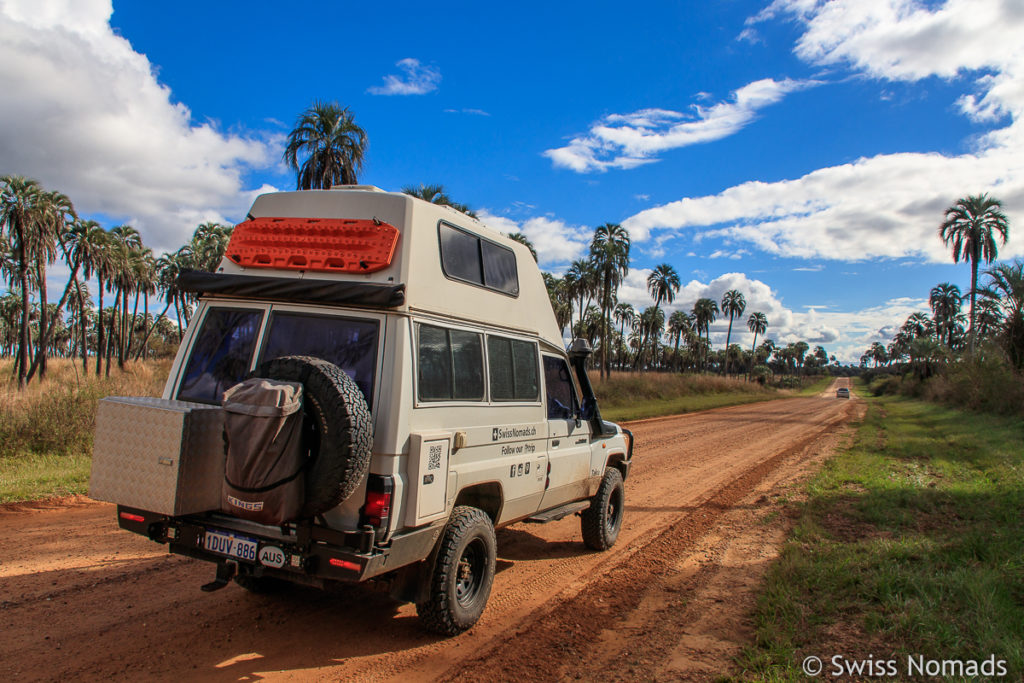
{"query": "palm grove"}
[(992, 328), (326, 147)]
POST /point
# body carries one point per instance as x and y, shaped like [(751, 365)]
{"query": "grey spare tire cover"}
[(265, 460), (337, 429)]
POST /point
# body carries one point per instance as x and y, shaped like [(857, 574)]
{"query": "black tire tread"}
[(344, 455), (435, 612), (592, 520)]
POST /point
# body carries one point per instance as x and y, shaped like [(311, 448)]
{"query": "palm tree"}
[(756, 323), (581, 282), (918, 325), (704, 313), (972, 226), (435, 194), (734, 304), (609, 254), (127, 245), (19, 200), (1006, 286), (663, 283), (945, 301), (334, 147), (83, 239), (679, 323), (517, 237)]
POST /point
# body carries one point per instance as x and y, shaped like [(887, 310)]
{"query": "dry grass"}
[(631, 396), (56, 417)]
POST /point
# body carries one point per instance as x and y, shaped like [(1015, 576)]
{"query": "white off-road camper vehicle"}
[(370, 385)]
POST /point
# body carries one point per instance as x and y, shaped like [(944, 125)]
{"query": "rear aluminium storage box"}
[(158, 455)]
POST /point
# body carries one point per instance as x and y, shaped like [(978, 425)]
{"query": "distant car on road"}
[(842, 392)]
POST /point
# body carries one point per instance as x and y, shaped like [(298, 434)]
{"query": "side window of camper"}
[(471, 259), (562, 401), (451, 365), (513, 369), (221, 354)]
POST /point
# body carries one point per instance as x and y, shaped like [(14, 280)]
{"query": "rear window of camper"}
[(470, 258)]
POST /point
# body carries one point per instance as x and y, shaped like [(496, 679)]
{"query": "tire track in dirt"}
[(567, 632)]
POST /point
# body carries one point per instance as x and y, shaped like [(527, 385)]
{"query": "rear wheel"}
[(601, 522), (462, 573)]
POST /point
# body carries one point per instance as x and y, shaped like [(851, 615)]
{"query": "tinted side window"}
[(562, 402), (450, 365), (471, 259), (499, 268), (350, 344), (460, 255), (513, 369), (221, 354)]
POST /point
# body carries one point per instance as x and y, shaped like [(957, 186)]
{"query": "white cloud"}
[(416, 79), (888, 205), (473, 112), (556, 242), (843, 333), (630, 140), (83, 113)]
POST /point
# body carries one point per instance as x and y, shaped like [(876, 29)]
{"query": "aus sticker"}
[(271, 556)]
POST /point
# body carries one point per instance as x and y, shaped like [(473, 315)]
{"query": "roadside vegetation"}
[(911, 542), (46, 430)]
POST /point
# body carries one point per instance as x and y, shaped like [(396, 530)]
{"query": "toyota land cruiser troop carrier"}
[(371, 384)]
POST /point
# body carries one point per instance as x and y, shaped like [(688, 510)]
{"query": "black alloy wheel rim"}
[(613, 514), (470, 572)]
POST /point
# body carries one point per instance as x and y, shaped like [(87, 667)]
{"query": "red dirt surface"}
[(82, 600)]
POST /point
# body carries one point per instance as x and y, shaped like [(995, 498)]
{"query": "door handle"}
[(583, 440)]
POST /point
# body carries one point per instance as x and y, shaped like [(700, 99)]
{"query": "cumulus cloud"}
[(557, 243), (846, 334), (887, 205), (630, 140), (416, 79), (83, 113)]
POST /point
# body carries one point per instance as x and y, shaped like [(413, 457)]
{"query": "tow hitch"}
[(225, 572)]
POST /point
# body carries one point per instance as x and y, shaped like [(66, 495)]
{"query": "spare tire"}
[(337, 428)]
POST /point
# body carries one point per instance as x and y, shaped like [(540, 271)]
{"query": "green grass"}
[(639, 410), (818, 385), (33, 476), (911, 542)]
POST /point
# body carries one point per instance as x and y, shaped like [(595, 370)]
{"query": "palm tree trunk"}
[(81, 330), (750, 368), (974, 287), (23, 331), (99, 326), (149, 331), (728, 336)]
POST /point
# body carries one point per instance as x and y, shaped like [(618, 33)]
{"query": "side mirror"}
[(589, 409)]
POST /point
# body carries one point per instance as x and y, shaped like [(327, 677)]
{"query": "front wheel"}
[(462, 574), (601, 522)]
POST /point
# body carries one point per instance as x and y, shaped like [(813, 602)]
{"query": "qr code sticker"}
[(434, 458)]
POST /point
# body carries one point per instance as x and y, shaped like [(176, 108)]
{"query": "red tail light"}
[(344, 564), (132, 517), (378, 507)]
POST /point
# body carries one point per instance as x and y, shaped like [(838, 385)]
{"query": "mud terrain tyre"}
[(337, 428), (462, 573), (601, 522)]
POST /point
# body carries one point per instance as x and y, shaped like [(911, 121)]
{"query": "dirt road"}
[(81, 600)]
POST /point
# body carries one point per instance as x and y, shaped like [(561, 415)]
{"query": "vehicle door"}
[(568, 436)]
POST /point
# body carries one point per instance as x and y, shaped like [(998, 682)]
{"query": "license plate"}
[(223, 543)]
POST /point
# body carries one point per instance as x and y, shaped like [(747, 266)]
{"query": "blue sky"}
[(797, 150)]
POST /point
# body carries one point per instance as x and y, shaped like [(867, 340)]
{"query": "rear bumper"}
[(311, 554)]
